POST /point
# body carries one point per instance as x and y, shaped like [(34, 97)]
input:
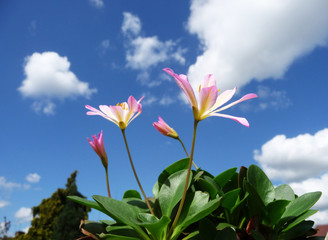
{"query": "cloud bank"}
[(49, 78), (254, 39), (295, 161)]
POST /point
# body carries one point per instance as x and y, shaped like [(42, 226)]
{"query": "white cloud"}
[(4, 184), (149, 99), (48, 77), (103, 47), (3, 203), (33, 178), (294, 159), (143, 53), (166, 100), (131, 24), (254, 39), (269, 98), (97, 3), (24, 215)]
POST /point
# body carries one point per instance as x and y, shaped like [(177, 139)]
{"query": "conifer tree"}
[(57, 217)]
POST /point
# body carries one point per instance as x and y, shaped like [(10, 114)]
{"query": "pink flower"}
[(121, 114), (165, 129), (209, 103), (98, 145)]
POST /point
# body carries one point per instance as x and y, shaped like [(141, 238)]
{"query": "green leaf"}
[(275, 210), (297, 231), (230, 199), (226, 234), (87, 203), (255, 203), (121, 212), (301, 204), (132, 194), (136, 202), (284, 192), (261, 183), (173, 168), (199, 208), (93, 227), (223, 178), (207, 186), (171, 192), (154, 225), (300, 219)]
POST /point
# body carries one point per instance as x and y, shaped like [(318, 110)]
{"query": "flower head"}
[(98, 145), (121, 114), (165, 129), (210, 102)]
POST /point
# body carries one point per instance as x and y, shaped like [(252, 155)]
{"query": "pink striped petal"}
[(207, 97), (208, 81), (117, 112), (241, 120), (184, 85), (94, 111), (244, 98), (223, 98), (133, 104)]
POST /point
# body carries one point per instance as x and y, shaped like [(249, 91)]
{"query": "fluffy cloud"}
[(254, 39), (97, 3), (33, 178), (3, 203), (24, 215), (131, 24), (142, 53), (294, 159), (48, 77)]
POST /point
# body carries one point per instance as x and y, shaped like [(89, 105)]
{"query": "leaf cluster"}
[(232, 205)]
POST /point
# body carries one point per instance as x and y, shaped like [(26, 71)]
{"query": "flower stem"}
[(135, 173), (107, 183), (187, 152), (187, 179)]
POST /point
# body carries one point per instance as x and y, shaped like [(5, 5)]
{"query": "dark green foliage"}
[(57, 217), (230, 206)]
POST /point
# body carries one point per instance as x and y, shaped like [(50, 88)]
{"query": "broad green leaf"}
[(261, 183), (87, 203), (206, 186), (154, 225), (224, 177), (171, 191), (230, 199), (120, 233), (226, 234), (191, 235), (182, 164), (275, 210), (108, 222), (284, 192), (300, 219), (132, 194), (121, 212), (301, 204), (199, 208), (255, 203), (297, 231), (136, 202)]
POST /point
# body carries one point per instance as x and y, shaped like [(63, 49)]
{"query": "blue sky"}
[(57, 56)]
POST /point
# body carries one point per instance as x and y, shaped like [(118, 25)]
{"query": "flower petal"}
[(207, 97), (133, 104), (241, 120), (244, 98), (94, 111), (208, 81), (184, 85), (223, 98)]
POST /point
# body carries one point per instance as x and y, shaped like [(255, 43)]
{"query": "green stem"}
[(187, 179), (186, 152), (107, 183), (135, 173)]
